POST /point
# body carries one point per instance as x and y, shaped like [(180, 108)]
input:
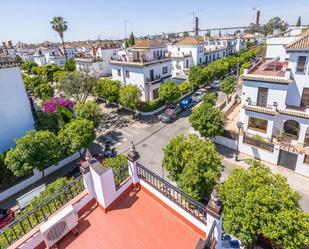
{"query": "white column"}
[(214, 214), (133, 156), (302, 133)]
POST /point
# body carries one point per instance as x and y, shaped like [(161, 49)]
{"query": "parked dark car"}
[(6, 216), (170, 114), (215, 84), (186, 103)]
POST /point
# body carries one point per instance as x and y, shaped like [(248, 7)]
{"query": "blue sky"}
[(28, 20)]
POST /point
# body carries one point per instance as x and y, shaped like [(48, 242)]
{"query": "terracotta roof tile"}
[(147, 44), (189, 41), (301, 43)]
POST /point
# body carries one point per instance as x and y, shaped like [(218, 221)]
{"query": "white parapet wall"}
[(37, 175), (175, 207)]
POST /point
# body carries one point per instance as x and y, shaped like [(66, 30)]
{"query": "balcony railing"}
[(27, 221), (258, 143), (193, 207), (251, 103), (157, 77)]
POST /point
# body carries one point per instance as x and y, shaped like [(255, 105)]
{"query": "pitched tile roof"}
[(147, 43), (189, 40), (301, 43)]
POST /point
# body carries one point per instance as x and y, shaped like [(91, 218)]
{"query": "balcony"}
[(260, 107), (273, 71), (139, 61)]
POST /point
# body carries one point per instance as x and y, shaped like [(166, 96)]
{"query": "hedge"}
[(152, 105)]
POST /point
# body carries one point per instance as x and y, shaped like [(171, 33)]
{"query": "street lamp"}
[(239, 126)]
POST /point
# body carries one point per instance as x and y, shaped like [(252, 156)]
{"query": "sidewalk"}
[(297, 181)]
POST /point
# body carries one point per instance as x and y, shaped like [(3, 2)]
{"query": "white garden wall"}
[(37, 175)]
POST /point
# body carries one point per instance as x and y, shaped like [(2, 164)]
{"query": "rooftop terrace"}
[(271, 71), (137, 221), (272, 68)]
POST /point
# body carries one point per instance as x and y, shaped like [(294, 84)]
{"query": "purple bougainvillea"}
[(52, 104)]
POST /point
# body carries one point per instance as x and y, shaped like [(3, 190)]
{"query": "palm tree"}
[(60, 26)]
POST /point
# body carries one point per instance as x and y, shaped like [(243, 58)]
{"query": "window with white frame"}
[(119, 72), (127, 74)]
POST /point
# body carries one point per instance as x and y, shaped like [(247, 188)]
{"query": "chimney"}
[(196, 28), (93, 51), (257, 21), (10, 45)]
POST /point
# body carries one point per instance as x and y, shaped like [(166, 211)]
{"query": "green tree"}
[(60, 26), (89, 110), (70, 65), (169, 92), (274, 24), (76, 135), (108, 89), (227, 85), (77, 85), (210, 99), (298, 24), (130, 96), (33, 82), (44, 91), (36, 150), (47, 121), (207, 120), (131, 39), (115, 162), (196, 76), (193, 163), (28, 65), (258, 202), (185, 87)]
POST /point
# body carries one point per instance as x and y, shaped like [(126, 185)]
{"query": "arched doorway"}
[(291, 130)]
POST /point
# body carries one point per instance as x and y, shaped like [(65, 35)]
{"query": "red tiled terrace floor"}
[(137, 221), (273, 68)]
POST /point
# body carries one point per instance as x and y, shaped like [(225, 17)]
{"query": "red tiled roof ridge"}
[(147, 43), (301, 43), (189, 40)]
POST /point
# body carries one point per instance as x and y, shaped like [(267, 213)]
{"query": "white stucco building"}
[(146, 64), (95, 66), (15, 112), (275, 99), (105, 52), (192, 51), (49, 55)]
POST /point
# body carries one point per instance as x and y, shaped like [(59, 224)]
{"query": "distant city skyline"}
[(29, 21)]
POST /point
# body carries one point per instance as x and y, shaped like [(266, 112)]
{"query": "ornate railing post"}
[(133, 156), (214, 215)]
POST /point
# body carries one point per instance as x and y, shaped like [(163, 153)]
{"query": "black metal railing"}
[(230, 134), (28, 220), (120, 175), (193, 207), (258, 143), (211, 240)]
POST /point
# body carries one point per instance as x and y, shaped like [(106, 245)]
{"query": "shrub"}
[(244, 66), (149, 106), (52, 104)]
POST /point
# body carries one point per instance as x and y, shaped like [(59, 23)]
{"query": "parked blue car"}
[(186, 103)]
